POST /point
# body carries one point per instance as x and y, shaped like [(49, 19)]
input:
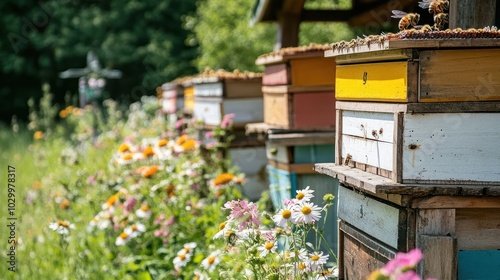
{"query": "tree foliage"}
[(145, 39)]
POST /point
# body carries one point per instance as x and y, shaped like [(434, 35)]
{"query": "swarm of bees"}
[(410, 29)]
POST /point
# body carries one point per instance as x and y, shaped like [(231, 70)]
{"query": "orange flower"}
[(189, 144), (38, 135), (111, 201), (162, 143), (170, 191), (149, 171), (223, 178), (148, 152), (123, 148), (127, 156), (181, 140), (64, 204)]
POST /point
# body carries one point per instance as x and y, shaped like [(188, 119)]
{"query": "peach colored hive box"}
[(298, 87)]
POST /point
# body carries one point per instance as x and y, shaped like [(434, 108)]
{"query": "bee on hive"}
[(440, 21), (406, 19), (435, 6)]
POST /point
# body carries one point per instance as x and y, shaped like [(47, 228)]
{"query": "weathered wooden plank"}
[(209, 90), (279, 153), (459, 75), (440, 261), (371, 106), (375, 56), (302, 138), (435, 146), (360, 258), (366, 151), (435, 222), (276, 74), (302, 168), (279, 58), (323, 114), (478, 229), (312, 71), (210, 112), (455, 202), (471, 13), (243, 88), (478, 264), (276, 108), (397, 163), (385, 81), (298, 88), (338, 136), (245, 110), (369, 215), (370, 125)]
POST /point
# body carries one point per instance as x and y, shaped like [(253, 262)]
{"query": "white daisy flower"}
[(122, 239), (198, 275), (61, 227), (283, 216), (268, 247), (224, 231), (189, 247), (332, 272), (135, 230), (143, 212), (298, 255), (316, 260), (181, 259), (306, 213), (304, 195), (211, 261)]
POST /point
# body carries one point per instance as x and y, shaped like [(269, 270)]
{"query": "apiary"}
[(415, 153), (298, 88), (188, 96), (220, 93)]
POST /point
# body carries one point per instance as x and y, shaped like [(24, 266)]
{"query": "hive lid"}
[(285, 54)]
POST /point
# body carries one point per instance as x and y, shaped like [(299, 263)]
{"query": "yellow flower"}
[(148, 171), (123, 148), (38, 135), (148, 152), (64, 204), (181, 140), (162, 142), (223, 179), (189, 144)]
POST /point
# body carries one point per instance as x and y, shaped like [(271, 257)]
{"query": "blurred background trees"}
[(151, 42)]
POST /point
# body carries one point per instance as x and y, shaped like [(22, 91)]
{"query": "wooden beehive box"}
[(419, 71), (172, 97), (298, 87), (457, 228), (219, 93), (187, 84), (451, 143)]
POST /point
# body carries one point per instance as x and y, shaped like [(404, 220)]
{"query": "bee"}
[(435, 6), (440, 21), (407, 19)]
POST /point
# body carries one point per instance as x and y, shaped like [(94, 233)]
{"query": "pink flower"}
[(129, 204), (245, 214), (227, 120), (409, 275), (403, 262), (208, 134), (178, 124)]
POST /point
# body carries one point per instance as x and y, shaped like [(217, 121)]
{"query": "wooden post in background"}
[(472, 13)]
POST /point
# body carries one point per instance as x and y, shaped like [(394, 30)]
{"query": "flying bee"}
[(435, 6), (440, 21), (407, 19)]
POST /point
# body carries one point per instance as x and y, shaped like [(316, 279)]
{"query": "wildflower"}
[(162, 143), (38, 135), (268, 247), (188, 247), (129, 204), (304, 194), (283, 216), (124, 148), (61, 227), (147, 171), (245, 214), (402, 262), (143, 212), (148, 152), (181, 140), (181, 259), (123, 239), (226, 121), (223, 179), (211, 261), (112, 201), (316, 260), (188, 145), (298, 255), (306, 213), (135, 230), (328, 273), (224, 231), (64, 204)]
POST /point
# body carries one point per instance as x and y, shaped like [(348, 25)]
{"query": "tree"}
[(144, 39)]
